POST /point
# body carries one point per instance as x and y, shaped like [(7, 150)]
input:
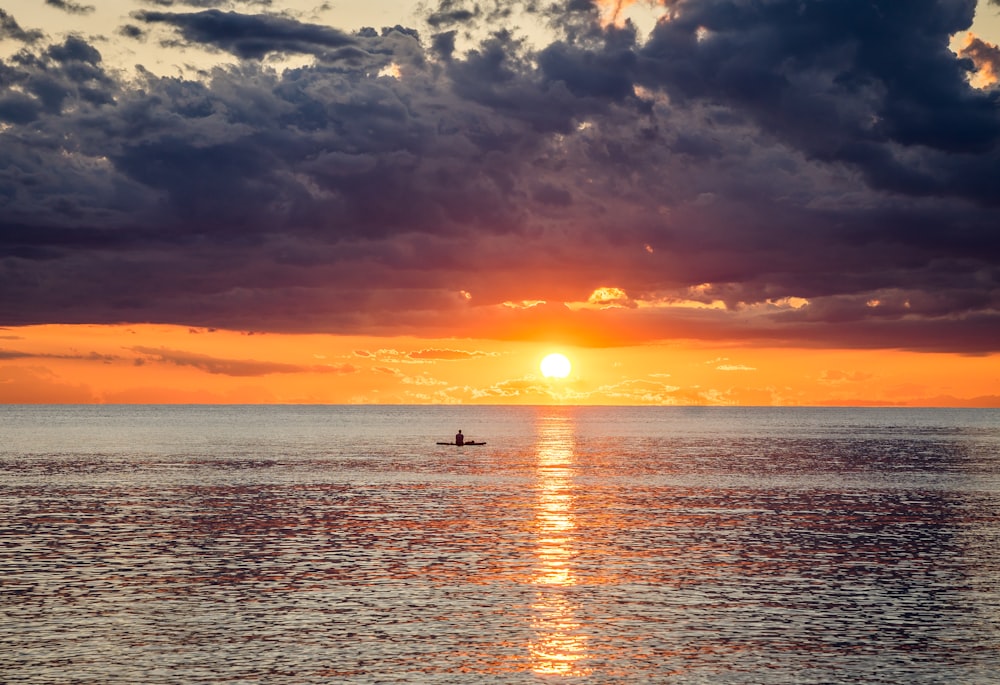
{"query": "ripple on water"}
[(563, 557)]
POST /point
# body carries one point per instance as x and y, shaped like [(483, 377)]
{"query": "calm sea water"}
[(590, 545)]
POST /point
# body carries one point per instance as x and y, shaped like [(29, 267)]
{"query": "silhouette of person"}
[(459, 439)]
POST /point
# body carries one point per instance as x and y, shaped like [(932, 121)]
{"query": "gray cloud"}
[(204, 3), (250, 36), (71, 7), (9, 28), (834, 154)]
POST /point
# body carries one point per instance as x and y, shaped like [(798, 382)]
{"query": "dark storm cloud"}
[(403, 183), (853, 82), (250, 36)]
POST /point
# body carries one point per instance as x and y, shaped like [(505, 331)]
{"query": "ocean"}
[(341, 544)]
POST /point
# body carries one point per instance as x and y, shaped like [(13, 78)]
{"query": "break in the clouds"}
[(811, 173)]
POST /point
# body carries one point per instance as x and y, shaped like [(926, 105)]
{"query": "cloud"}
[(205, 3), (450, 13), (131, 31), (836, 376), (9, 28), (640, 391), (92, 356), (742, 155), (231, 367), (605, 297), (250, 36), (985, 56), (71, 7), (422, 380), (445, 355), (831, 81)]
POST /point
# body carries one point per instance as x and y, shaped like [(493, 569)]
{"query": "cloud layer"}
[(818, 173)]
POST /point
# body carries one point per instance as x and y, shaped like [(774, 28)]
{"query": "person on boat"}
[(459, 439)]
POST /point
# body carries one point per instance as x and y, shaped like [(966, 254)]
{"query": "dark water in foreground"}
[(591, 545)]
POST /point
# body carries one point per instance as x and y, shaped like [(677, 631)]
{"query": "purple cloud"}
[(410, 182)]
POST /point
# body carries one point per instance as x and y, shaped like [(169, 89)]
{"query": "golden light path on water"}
[(560, 642)]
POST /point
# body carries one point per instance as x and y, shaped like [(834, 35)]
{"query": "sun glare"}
[(555, 365)]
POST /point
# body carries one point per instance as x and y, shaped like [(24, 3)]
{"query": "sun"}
[(555, 365)]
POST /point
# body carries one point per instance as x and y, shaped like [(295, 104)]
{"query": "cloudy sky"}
[(698, 201)]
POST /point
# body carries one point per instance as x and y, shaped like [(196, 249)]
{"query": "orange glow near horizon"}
[(152, 364)]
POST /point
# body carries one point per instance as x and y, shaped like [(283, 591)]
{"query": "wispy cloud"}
[(90, 356), (71, 7), (231, 367), (445, 355)]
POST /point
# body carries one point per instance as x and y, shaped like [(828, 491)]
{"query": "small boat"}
[(467, 442)]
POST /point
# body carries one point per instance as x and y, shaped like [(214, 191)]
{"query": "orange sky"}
[(172, 364)]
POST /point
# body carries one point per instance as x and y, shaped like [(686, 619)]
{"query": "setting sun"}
[(555, 365)]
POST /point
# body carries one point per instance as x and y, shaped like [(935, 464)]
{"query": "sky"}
[(710, 202)]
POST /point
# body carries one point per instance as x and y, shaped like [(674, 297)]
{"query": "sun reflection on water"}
[(560, 642)]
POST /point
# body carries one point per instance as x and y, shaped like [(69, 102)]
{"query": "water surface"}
[(591, 545)]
